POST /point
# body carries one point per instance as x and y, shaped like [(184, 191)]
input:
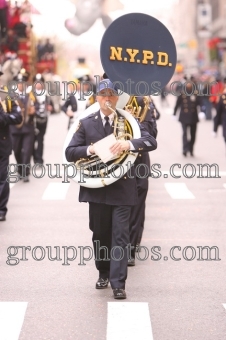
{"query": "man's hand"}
[(119, 146), (70, 113), (91, 149)]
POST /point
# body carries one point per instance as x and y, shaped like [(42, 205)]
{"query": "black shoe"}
[(185, 153), (119, 293), (26, 179), (102, 283), (2, 218), (131, 262), (191, 152)]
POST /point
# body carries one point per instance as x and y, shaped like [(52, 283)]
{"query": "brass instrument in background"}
[(136, 110)]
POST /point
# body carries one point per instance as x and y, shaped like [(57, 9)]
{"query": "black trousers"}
[(188, 143), (137, 216), (4, 185), (23, 144), (39, 143), (110, 227)]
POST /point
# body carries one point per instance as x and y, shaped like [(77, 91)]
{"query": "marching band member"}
[(10, 114), (23, 135), (109, 206), (137, 216), (43, 106), (78, 100)]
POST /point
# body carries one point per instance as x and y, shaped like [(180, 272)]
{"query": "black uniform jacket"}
[(188, 108), (6, 119), (149, 124), (28, 124), (124, 190)]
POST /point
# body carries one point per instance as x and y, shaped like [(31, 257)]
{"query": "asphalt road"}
[(169, 298)]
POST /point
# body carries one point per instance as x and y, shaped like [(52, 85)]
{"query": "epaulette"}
[(79, 124), (90, 116)]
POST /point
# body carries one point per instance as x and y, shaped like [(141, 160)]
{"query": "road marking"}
[(56, 191), (11, 185), (224, 305), (178, 191), (128, 320), (11, 319), (224, 185)]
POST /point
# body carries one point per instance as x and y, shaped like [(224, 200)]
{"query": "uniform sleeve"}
[(150, 123), (68, 102), (12, 118), (145, 143), (178, 104)]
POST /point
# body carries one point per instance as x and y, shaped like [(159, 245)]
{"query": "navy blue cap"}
[(106, 84)]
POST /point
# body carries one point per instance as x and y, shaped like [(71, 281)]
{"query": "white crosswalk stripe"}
[(56, 191), (179, 191), (11, 319), (128, 321)]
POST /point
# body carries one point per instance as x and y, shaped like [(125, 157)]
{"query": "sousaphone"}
[(138, 54)]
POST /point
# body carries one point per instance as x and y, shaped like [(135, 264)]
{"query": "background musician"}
[(10, 114)]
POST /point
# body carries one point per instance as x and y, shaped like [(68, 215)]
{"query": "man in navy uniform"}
[(10, 114), (188, 104), (23, 136), (43, 106), (142, 163), (109, 206)]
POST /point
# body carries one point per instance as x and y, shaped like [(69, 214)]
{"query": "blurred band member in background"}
[(188, 117), (137, 216), (23, 135), (10, 114), (43, 106)]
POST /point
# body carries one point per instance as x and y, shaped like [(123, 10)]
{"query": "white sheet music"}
[(102, 148)]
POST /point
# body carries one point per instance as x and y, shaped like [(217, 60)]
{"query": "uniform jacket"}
[(188, 108), (13, 117), (28, 124), (149, 124), (41, 111), (124, 190)]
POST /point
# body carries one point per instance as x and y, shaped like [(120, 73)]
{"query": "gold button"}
[(125, 177), (4, 137), (91, 143), (140, 155), (186, 110)]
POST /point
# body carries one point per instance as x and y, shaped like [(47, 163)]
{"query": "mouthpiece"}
[(108, 104)]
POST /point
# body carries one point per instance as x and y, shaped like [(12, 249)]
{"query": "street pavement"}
[(171, 295)]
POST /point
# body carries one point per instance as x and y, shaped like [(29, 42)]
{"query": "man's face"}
[(38, 86), (107, 95)]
